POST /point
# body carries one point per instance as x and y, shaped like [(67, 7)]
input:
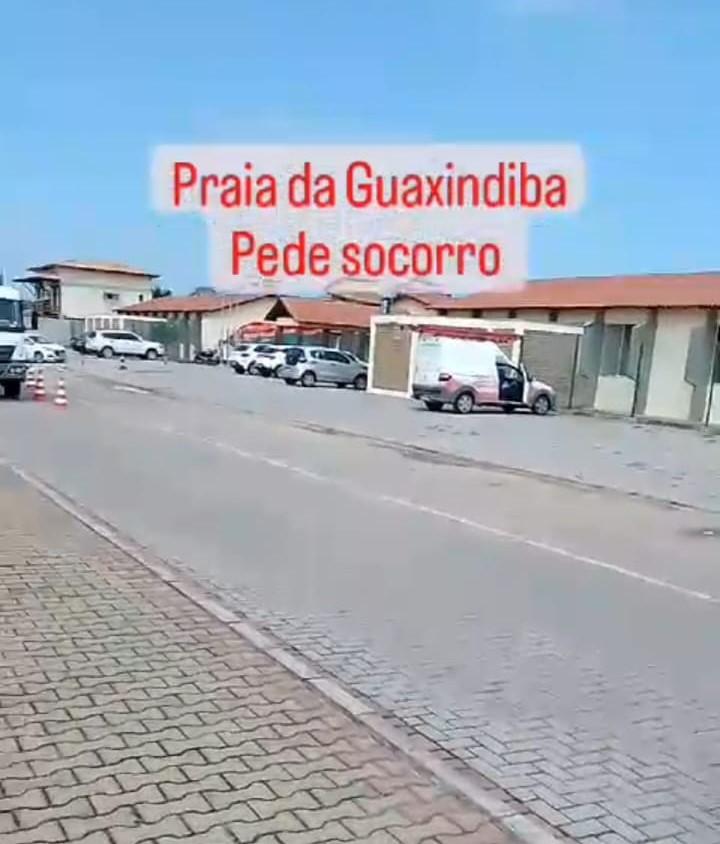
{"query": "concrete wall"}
[(669, 393), (56, 330), (615, 394), (82, 291)]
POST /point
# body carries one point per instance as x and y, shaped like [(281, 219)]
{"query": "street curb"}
[(521, 826)]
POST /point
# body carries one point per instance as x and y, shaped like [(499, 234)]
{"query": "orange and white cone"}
[(39, 392), (60, 394), (30, 380)]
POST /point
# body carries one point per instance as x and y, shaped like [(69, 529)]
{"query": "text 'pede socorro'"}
[(449, 218)]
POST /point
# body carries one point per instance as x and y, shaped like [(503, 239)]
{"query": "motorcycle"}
[(210, 357)]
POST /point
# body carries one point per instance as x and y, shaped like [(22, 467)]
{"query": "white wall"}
[(81, 291), (614, 394), (669, 395), (217, 324)]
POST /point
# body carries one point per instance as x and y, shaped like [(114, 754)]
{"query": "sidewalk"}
[(128, 714)]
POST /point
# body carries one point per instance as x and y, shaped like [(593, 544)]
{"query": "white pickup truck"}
[(13, 357)]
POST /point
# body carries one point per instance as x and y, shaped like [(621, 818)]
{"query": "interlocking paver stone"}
[(130, 715)]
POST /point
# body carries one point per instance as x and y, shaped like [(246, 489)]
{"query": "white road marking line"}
[(442, 514), (128, 389), (452, 517), (551, 549)]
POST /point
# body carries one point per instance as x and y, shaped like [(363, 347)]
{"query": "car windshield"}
[(11, 315)]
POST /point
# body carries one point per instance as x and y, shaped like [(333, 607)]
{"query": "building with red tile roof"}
[(651, 345)]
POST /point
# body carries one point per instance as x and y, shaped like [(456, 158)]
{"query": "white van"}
[(468, 373)]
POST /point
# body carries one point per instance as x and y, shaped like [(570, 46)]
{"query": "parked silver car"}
[(310, 365)]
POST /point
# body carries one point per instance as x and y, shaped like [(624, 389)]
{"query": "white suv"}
[(106, 344)]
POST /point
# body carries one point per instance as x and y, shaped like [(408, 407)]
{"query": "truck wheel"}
[(464, 403), (38, 357), (541, 406), (360, 382), (434, 405), (151, 354), (106, 352), (308, 379), (12, 389)]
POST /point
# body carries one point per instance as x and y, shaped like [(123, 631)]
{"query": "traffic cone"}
[(122, 362), (39, 391), (30, 380), (60, 394)]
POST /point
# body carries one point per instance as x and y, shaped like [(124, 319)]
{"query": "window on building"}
[(512, 314), (111, 297), (617, 350), (553, 316), (141, 298), (478, 313), (716, 362)]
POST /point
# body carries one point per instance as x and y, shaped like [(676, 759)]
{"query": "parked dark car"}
[(210, 357), (78, 343)]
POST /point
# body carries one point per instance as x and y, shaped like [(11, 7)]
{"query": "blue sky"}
[(88, 88)]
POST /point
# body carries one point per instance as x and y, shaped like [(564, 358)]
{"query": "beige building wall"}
[(84, 292), (626, 316), (669, 394), (487, 313), (533, 314), (217, 325)]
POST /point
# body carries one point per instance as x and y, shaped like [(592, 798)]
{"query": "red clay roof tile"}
[(682, 290)]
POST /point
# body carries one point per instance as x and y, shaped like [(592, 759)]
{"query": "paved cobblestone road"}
[(560, 642), (129, 715)]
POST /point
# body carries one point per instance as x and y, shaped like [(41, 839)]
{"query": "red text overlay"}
[(451, 217)]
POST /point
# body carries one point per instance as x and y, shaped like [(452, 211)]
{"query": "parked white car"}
[(268, 363), (244, 357), (108, 343), (39, 349)]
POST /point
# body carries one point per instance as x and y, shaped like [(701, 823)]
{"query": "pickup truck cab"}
[(13, 359)]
